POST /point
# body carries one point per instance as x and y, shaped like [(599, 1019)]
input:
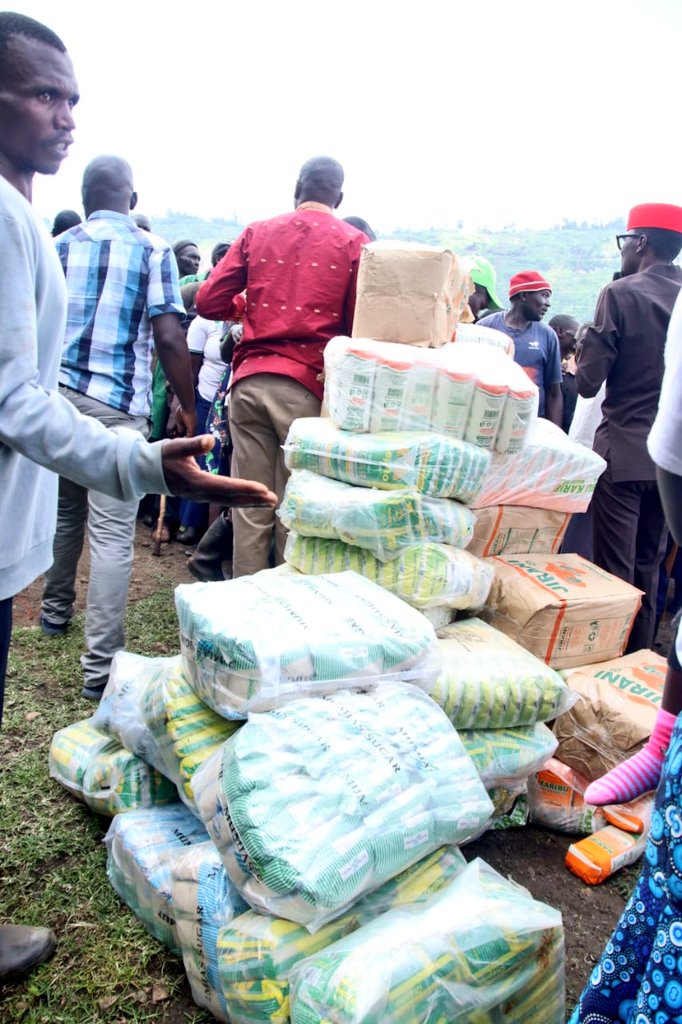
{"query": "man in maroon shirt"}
[(299, 271)]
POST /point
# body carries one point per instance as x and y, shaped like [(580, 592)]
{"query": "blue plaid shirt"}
[(118, 278)]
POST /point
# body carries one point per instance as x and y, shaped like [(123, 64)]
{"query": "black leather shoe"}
[(22, 948), (188, 536)]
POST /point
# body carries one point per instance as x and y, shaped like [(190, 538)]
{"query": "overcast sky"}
[(492, 113)]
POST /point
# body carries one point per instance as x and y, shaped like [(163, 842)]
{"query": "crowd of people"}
[(112, 338)]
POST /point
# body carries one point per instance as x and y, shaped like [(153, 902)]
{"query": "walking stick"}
[(156, 538)]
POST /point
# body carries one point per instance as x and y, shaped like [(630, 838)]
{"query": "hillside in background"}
[(577, 259)]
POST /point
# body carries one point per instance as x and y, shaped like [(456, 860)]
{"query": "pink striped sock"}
[(639, 773)]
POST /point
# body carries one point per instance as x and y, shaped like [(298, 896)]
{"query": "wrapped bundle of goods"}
[(203, 901), (253, 643), (479, 950), (562, 608), (517, 530), (120, 711), (325, 799), (614, 714), (100, 772), (555, 799), (505, 758), (474, 334), (409, 292), (487, 681), (435, 465), (140, 848), (185, 730), (603, 853), (462, 391), (548, 472), (382, 522), (257, 952), (423, 575)]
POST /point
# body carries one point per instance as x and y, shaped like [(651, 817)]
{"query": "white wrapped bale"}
[(253, 643), (323, 800)]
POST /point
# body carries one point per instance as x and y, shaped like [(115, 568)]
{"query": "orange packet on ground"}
[(602, 854), (634, 816)]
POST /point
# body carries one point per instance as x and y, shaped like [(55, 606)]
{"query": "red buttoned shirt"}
[(299, 271)]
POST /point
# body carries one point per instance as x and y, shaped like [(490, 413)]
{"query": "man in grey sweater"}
[(41, 433)]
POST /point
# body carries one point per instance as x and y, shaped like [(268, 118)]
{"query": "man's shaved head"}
[(13, 25), (108, 185), (320, 181)]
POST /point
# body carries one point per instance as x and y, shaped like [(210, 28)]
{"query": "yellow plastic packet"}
[(602, 854), (632, 817)]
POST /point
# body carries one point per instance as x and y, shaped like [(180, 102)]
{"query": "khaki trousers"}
[(262, 408)]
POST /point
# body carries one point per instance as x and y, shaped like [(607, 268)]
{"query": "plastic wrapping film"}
[(555, 795), (481, 950), (548, 472), (141, 847), (254, 643), (381, 522), (433, 464), (410, 292), (203, 901), (507, 757), (119, 712), (185, 731), (474, 334), (487, 681), (100, 772), (257, 952), (465, 391), (323, 800), (425, 575)]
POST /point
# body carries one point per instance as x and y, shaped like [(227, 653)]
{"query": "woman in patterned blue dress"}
[(639, 977)]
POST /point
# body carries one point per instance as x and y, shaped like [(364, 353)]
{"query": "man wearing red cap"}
[(625, 348), (536, 346)]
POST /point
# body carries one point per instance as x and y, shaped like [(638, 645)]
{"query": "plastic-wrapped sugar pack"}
[(464, 391), (257, 952), (550, 471), (423, 575), (100, 772), (474, 334), (488, 681), (119, 712), (203, 901), (480, 950), (507, 757), (324, 799), (433, 464), (253, 643), (140, 848), (184, 729), (381, 522)]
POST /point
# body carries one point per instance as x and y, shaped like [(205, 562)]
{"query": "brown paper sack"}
[(409, 293), (517, 530), (614, 714), (562, 608)]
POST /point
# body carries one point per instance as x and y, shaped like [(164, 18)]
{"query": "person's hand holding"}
[(185, 479), (185, 423)]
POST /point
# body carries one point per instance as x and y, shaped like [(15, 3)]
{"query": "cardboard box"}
[(517, 530), (617, 704), (562, 608), (410, 293)]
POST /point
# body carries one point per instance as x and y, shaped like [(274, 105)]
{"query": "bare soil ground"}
[(530, 856)]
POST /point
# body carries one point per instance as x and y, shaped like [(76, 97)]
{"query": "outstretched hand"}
[(185, 479)]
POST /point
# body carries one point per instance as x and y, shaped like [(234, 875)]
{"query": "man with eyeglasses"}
[(625, 348)]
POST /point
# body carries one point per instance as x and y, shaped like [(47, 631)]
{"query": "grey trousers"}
[(111, 533)]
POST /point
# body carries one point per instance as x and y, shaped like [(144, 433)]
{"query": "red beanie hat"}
[(528, 281), (655, 215)]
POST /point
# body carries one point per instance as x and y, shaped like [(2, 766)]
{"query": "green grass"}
[(52, 860)]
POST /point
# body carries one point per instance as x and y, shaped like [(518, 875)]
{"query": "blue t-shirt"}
[(536, 349)]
